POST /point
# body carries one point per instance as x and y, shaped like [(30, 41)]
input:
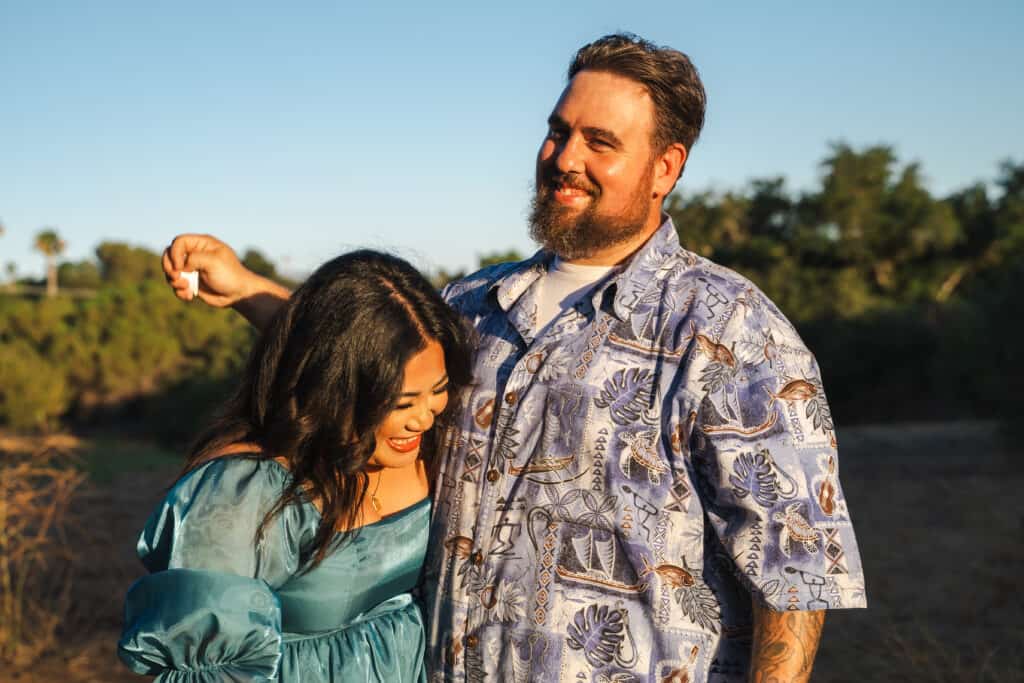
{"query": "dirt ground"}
[(939, 516)]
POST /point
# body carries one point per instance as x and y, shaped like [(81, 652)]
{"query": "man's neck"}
[(621, 252)]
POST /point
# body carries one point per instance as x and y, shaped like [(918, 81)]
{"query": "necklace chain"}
[(374, 501)]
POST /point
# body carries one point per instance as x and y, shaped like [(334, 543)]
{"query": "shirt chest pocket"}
[(546, 440)]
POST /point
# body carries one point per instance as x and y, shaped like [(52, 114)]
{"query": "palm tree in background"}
[(51, 245)]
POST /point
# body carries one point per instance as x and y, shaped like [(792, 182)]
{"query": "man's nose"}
[(567, 155)]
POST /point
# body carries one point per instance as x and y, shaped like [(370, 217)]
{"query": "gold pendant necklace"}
[(374, 501)]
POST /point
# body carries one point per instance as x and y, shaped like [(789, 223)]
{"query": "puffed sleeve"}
[(207, 613), (764, 448)]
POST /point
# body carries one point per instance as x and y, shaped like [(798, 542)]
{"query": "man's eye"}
[(442, 390), (403, 406)]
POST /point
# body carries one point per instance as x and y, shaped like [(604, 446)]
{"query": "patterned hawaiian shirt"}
[(619, 488)]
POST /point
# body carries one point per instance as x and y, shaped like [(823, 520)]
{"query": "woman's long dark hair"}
[(325, 374)]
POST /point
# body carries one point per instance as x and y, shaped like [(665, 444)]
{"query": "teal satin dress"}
[(218, 607)]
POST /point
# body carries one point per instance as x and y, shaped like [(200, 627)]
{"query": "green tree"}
[(49, 243), (33, 391), (80, 275), (258, 263), (443, 276), (255, 261), (121, 263), (496, 257), (1009, 212)]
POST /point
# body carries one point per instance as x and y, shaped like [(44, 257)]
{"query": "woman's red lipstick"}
[(405, 446)]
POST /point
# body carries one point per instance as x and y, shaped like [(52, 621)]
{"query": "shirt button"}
[(511, 398), (477, 558), (472, 641), (493, 476)]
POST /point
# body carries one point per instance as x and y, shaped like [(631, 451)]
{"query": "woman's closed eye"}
[(436, 392)]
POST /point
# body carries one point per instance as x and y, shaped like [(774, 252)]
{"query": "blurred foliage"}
[(910, 302), (105, 458), (121, 264), (442, 277), (255, 261), (122, 352), (496, 257), (79, 275), (871, 238)]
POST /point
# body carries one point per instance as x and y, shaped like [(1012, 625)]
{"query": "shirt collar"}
[(512, 285), (627, 287), (645, 266)]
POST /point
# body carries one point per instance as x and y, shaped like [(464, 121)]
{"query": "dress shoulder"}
[(210, 518)]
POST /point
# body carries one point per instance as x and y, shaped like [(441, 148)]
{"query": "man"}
[(643, 483)]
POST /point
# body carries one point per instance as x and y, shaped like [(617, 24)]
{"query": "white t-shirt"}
[(562, 286)]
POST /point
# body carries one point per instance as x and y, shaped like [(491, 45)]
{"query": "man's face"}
[(595, 168)]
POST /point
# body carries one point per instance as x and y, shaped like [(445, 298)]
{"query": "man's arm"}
[(223, 280), (264, 300), (784, 644)]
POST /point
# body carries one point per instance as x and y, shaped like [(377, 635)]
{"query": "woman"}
[(288, 548)]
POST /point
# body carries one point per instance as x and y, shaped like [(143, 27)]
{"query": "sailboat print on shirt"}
[(595, 559), (651, 337)]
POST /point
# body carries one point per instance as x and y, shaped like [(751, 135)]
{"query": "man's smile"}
[(570, 196), (567, 191)]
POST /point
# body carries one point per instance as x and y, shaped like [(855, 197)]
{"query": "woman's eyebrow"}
[(437, 385)]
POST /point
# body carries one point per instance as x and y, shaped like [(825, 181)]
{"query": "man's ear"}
[(667, 167)]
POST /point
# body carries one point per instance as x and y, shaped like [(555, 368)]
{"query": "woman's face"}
[(424, 395)]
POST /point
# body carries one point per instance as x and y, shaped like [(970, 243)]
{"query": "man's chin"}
[(565, 244)]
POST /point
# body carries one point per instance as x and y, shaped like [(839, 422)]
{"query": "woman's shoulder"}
[(238, 473), (217, 508)]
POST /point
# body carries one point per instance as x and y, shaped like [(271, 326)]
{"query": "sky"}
[(305, 129)]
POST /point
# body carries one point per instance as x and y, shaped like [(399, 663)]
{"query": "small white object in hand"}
[(193, 281)]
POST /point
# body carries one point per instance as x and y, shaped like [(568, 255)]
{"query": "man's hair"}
[(668, 75)]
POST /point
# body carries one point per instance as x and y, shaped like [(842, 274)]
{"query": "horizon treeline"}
[(910, 302)]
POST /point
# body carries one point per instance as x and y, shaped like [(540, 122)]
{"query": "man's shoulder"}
[(725, 292), (469, 293), (702, 275)]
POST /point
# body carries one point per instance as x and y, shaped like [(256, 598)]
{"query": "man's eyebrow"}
[(603, 134), (437, 385), (556, 121)]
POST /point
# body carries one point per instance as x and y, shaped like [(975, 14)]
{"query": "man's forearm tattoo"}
[(784, 645)]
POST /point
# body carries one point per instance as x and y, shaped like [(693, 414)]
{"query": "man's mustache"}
[(574, 181)]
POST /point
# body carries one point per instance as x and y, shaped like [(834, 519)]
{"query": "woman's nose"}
[(422, 420)]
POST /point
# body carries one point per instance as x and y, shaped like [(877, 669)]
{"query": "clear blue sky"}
[(307, 128)]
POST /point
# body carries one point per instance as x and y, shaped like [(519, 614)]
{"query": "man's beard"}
[(575, 236)]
